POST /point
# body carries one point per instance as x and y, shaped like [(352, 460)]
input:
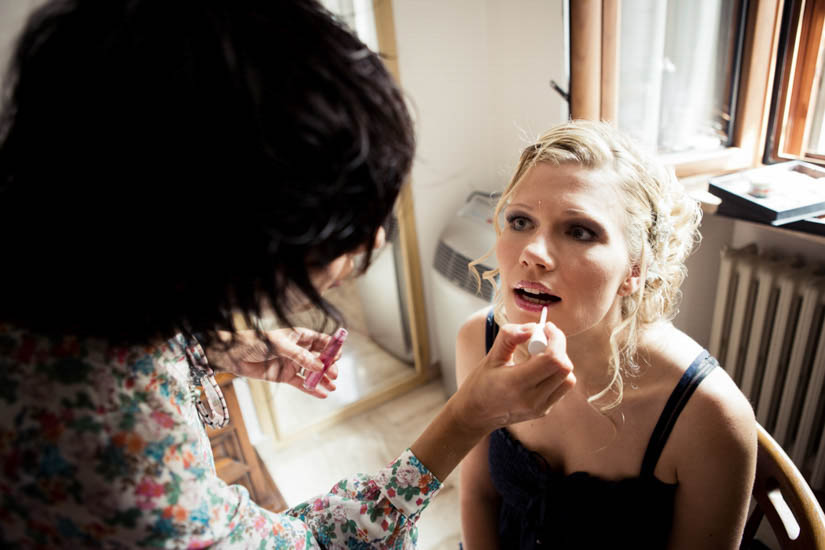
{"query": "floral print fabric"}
[(102, 447)]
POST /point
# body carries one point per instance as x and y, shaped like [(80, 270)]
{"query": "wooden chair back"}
[(785, 499)]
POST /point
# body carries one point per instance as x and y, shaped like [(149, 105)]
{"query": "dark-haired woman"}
[(164, 164)]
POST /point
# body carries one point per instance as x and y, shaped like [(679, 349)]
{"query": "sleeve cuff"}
[(408, 484)]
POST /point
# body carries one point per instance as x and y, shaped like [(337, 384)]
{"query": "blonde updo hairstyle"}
[(661, 230)]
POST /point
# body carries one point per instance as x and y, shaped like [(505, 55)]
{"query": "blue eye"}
[(581, 233), (518, 222)]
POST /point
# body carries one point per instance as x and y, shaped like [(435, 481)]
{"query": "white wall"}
[(477, 73), (699, 289)]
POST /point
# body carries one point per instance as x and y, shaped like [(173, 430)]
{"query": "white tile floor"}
[(365, 443)]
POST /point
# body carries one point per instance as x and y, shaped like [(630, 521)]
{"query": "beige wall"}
[(699, 289), (477, 73)]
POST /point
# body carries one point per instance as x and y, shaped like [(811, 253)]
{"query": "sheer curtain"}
[(675, 69)]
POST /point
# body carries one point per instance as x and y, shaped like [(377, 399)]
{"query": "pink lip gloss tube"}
[(327, 357)]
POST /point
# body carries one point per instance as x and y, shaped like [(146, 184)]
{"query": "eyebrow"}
[(569, 211), (519, 205), (576, 212)]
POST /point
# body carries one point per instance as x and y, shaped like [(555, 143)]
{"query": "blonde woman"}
[(654, 447)]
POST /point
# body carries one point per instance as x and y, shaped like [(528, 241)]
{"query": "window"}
[(677, 69), (690, 78), (798, 107)]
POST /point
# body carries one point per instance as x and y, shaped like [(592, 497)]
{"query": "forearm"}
[(492, 395), (479, 525), (479, 511), (445, 442)]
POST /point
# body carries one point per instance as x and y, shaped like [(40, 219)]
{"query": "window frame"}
[(594, 45), (798, 65)]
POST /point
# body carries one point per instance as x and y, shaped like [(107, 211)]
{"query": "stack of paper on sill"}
[(790, 194)]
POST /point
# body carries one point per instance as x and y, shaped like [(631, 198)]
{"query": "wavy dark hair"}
[(165, 162)]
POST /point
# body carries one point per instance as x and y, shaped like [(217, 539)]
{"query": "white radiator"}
[(768, 334)]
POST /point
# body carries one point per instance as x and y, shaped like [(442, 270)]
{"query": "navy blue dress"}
[(543, 508)]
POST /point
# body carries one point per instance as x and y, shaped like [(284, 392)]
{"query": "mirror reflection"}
[(378, 361), (377, 354)]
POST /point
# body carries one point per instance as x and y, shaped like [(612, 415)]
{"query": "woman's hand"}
[(498, 393), (292, 349)]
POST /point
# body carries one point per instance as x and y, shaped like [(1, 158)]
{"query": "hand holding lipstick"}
[(292, 356), (538, 340), (490, 397), (493, 392), (328, 357)]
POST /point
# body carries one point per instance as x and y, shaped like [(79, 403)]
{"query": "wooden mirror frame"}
[(262, 396)]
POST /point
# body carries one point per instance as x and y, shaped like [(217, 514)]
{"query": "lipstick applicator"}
[(327, 358), (538, 341)]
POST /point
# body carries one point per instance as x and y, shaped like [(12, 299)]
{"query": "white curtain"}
[(674, 70)]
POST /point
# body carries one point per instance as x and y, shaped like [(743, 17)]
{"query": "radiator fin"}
[(768, 329)]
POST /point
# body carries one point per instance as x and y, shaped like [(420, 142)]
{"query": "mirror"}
[(387, 351)]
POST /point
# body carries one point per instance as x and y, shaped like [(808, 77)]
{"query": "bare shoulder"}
[(716, 431), (720, 409), (710, 454), (718, 419), (474, 325), (470, 343), (723, 411)]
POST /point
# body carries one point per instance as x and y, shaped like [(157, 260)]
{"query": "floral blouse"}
[(102, 447)]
